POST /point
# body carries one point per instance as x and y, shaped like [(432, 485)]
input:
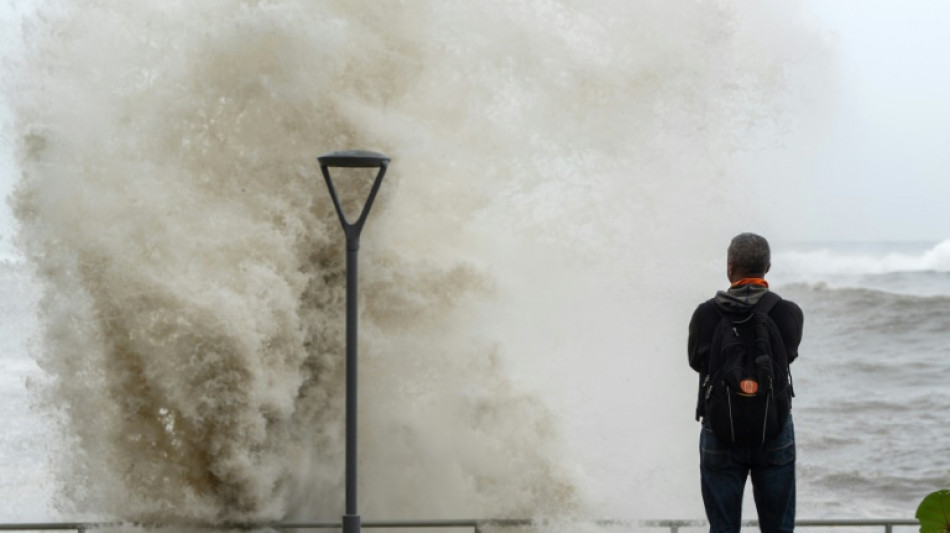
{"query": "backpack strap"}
[(765, 305), (767, 302)]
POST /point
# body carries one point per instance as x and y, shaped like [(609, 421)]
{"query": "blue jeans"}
[(723, 472)]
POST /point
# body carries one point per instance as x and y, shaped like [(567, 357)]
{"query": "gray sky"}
[(873, 169), (877, 170)]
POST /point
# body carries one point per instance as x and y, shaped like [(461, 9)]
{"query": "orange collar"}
[(751, 281)]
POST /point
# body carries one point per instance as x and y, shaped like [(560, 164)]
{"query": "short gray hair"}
[(750, 254)]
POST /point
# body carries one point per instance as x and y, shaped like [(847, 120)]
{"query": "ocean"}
[(872, 375), (559, 200)]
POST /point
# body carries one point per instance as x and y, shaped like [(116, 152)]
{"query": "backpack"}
[(747, 391)]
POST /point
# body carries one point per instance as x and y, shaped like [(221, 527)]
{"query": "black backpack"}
[(747, 390)]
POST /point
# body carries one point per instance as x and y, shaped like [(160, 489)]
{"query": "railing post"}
[(888, 528)]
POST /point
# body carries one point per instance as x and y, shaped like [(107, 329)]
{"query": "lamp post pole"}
[(352, 159)]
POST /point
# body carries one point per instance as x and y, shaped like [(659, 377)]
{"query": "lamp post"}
[(352, 159)]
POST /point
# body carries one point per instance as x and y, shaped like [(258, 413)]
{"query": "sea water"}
[(553, 213), (871, 381)]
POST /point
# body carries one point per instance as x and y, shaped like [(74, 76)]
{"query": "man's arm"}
[(700, 337), (791, 322), (701, 327)]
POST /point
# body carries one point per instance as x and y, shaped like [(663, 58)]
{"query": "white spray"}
[(526, 273)]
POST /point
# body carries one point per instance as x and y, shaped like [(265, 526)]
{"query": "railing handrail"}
[(887, 523), (673, 525)]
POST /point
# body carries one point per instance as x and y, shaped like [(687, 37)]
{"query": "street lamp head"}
[(354, 159)]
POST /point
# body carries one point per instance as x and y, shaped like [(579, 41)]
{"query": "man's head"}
[(748, 257)]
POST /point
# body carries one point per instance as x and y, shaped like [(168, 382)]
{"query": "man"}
[(724, 466)]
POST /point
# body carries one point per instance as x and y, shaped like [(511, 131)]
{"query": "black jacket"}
[(786, 314)]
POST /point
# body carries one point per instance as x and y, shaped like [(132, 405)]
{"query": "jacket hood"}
[(739, 300)]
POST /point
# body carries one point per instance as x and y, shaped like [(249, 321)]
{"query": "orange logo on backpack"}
[(749, 387)]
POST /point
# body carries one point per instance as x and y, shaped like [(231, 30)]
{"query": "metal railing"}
[(887, 523), (478, 525)]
